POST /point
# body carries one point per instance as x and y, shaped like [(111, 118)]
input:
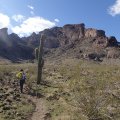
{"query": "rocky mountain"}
[(12, 47), (73, 40)]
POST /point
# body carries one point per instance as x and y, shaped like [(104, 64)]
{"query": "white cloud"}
[(18, 18), (4, 20), (114, 9), (31, 7), (57, 20), (32, 24)]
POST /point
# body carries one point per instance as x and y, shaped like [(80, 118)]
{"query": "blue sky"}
[(26, 16)]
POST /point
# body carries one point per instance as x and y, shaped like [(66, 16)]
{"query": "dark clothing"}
[(22, 81)]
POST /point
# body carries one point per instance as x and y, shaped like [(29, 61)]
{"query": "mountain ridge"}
[(71, 40)]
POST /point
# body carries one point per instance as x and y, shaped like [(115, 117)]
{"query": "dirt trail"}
[(40, 111)]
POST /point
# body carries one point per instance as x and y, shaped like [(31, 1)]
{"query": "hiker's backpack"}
[(19, 75)]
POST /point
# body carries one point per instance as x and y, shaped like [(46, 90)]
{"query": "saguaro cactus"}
[(39, 54), (36, 53)]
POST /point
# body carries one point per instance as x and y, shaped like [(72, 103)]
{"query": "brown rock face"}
[(100, 42), (90, 32), (52, 37), (33, 40), (74, 32)]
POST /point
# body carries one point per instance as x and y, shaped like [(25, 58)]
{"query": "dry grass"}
[(83, 90), (76, 89)]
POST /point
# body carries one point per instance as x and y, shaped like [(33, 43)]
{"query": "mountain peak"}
[(3, 34)]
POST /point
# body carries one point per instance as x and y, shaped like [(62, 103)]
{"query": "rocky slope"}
[(72, 40), (13, 105)]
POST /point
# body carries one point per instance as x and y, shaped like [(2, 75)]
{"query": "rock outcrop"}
[(3, 33), (90, 32), (75, 31)]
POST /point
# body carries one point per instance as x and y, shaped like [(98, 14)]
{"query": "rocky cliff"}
[(77, 41), (70, 40)]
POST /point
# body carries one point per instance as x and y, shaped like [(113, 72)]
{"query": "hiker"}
[(21, 77)]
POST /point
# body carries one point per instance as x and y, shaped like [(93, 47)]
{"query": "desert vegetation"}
[(13, 105), (72, 89), (84, 90)]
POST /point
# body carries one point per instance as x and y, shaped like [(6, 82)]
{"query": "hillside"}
[(79, 80), (73, 40)]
